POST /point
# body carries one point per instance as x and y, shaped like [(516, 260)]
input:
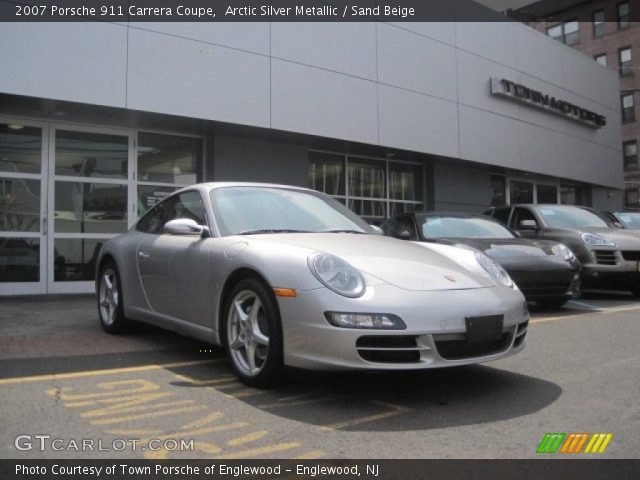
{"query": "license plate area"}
[(484, 329)]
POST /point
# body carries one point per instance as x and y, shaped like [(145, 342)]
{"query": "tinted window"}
[(461, 227), (521, 214), (570, 217), (394, 227), (502, 215), (630, 220), (186, 205)]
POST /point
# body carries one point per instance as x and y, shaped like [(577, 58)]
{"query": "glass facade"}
[(374, 188), (520, 192), (20, 148)]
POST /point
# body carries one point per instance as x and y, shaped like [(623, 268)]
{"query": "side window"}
[(394, 227), (502, 215), (521, 215), (189, 205), (185, 205)]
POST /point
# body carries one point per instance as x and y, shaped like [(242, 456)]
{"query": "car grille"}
[(631, 256), (389, 349), (605, 257), (459, 349), (545, 291)]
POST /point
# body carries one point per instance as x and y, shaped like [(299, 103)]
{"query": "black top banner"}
[(246, 11)]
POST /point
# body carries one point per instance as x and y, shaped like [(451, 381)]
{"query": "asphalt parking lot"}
[(60, 375)]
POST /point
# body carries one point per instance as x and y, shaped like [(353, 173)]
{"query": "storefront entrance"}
[(65, 190)]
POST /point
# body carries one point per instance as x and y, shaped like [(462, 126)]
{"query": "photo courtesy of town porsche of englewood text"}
[(319, 239)]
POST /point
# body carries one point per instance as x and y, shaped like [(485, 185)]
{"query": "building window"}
[(630, 152), (601, 59), (567, 33), (624, 57), (628, 108), (498, 191), (631, 198), (546, 193), (165, 164), (373, 188), (572, 195), (520, 192), (598, 23), (623, 15)]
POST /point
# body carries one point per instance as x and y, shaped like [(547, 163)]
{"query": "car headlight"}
[(337, 275), (495, 271), (563, 251), (596, 240)]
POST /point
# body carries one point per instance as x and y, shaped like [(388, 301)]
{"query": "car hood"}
[(505, 248), (397, 262)]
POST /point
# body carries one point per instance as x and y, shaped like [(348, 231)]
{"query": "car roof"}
[(450, 214), (215, 185)]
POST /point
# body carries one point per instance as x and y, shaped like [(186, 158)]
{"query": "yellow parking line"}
[(584, 314), (110, 371), (129, 418), (310, 455), (234, 442), (252, 453), (395, 410)]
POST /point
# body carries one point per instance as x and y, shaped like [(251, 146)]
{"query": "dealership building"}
[(99, 121)]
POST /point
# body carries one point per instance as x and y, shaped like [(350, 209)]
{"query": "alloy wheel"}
[(108, 296), (248, 333)]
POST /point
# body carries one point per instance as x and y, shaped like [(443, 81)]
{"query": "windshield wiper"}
[(271, 230), (343, 231)]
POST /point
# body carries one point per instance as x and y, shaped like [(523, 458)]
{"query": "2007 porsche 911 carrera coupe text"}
[(286, 276)]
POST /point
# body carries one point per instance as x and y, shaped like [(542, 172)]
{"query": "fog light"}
[(383, 321)]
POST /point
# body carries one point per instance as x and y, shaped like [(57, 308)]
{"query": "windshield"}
[(630, 220), (246, 210), (570, 217), (461, 227)]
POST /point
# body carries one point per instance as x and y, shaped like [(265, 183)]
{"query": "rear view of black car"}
[(546, 272)]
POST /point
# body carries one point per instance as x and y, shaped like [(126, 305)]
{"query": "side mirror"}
[(184, 226), (528, 225), (377, 229)]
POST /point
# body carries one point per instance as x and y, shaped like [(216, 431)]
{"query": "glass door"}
[(90, 182), (23, 227)]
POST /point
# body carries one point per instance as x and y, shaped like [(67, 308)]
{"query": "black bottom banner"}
[(543, 469)]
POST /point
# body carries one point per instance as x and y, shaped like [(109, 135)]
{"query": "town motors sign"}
[(502, 87)]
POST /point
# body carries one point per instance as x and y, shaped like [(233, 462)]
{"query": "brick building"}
[(603, 30)]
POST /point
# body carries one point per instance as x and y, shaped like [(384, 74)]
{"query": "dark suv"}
[(610, 256)]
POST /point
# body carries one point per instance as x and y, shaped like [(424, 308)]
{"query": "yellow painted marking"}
[(207, 447), (267, 406), (249, 392), (204, 383), (129, 418), (202, 421), (252, 453), (200, 431), (234, 442), (138, 408), (310, 455), (107, 389), (111, 371), (137, 432), (160, 454), (395, 410), (605, 443), (584, 314)]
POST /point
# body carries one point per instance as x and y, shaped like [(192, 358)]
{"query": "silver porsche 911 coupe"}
[(282, 275)]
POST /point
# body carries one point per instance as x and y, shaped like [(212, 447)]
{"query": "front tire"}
[(253, 334), (110, 304)]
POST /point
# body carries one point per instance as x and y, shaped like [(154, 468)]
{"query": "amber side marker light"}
[(285, 292)]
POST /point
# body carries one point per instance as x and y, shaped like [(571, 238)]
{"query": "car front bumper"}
[(435, 335), (624, 275)]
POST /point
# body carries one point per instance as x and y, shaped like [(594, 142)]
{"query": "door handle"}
[(142, 255)]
